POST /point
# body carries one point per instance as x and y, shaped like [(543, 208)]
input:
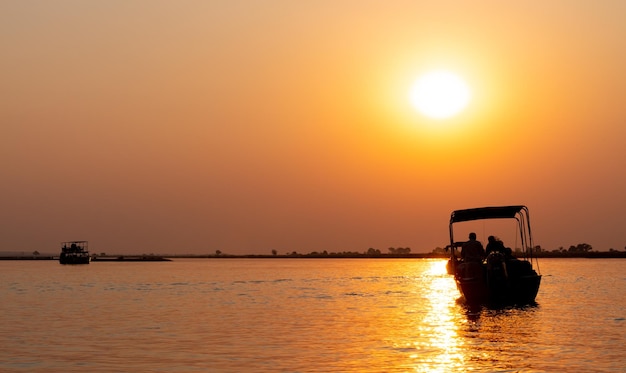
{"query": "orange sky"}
[(246, 126)]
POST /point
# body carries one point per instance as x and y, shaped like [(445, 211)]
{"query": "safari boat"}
[(74, 252), (499, 278)]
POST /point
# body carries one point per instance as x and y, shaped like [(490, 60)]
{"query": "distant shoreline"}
[(163, 258), (590, 255)]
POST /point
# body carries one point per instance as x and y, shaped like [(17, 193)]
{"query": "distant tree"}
[(399, 250), (403, 250), (35, 253), (580, 248), (585, 247), (274, 252), (373, 252), (218, 253)]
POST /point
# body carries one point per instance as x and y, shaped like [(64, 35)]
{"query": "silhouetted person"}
[(472, 250), (495, 246), (508, 254)]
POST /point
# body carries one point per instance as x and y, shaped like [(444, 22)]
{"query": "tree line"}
[(579, 250)]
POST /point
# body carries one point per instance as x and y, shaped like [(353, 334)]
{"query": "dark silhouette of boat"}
[(499, 278), (74, 252)]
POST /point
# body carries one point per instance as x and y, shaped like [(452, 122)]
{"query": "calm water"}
[(303, 315)]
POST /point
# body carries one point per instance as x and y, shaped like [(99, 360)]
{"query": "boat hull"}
[(73, 259), (482, 290)]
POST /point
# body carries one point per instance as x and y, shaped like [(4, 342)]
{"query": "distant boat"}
[(500, 278), (74, 252)]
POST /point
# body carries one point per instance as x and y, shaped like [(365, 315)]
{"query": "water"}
[(302, 315)]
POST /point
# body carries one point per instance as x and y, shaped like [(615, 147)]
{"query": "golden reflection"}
[(437, 268), (440, 326)]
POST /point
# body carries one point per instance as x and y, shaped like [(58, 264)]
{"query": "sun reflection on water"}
[(439, 332)]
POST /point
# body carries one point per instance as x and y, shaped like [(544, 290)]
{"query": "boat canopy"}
[(499, 212)]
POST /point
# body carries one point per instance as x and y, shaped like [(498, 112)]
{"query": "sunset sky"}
[(251, 126)]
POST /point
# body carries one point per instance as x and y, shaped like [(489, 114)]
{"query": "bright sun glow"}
[(439, 94)]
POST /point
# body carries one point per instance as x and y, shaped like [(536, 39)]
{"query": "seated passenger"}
[(472, 250), (495, 246)]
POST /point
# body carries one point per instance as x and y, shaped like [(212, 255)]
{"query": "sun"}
[(440, 94)]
